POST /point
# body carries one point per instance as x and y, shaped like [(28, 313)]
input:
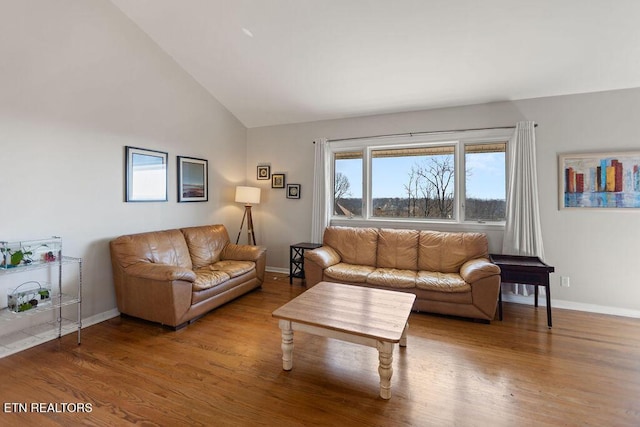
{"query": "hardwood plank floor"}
[(226, 370)]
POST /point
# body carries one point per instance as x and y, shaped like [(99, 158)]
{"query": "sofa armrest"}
[(242, 252), (478, 269), (315, 261), (324, 256), (160, 272), (156, 292)]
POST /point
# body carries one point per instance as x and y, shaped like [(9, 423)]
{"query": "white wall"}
[(78, 82), (596, 249)]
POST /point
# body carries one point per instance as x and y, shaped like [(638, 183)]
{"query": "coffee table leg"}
[(287, 344), (385, 369), (403, 338)]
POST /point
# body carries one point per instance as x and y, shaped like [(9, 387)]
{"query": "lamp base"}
[(250, 235)]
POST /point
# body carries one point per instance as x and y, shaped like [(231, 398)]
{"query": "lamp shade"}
[(248, 195)]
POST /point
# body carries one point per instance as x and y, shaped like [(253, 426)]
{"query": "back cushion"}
[(160, 247), (398, 249), (205, 243), (354, 245), (446, 252)]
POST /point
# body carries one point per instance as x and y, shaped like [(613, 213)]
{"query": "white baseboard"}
[(100, 317), (571, 305), (277, 270)]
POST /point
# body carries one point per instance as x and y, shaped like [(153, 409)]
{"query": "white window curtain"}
[(321, 214), (523, 234)]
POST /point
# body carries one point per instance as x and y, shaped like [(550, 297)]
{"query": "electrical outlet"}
[(565, 282)]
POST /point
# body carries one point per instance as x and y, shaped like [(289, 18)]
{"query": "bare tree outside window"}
[(412, 188), (341, 189), (438, 172), (429, 189)]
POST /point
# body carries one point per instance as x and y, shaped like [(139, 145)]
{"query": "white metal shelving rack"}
[(41, 328)]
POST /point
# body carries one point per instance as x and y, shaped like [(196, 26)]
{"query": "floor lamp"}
[(248, 196)]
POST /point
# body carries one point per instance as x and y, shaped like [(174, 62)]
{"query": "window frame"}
[(463, 193), (459, 140)]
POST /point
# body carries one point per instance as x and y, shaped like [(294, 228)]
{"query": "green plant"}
[(18, 256)]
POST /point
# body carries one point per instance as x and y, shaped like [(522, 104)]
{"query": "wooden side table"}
[(296, 259), (528, 270)]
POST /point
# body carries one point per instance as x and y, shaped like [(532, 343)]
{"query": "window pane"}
[(413, 182), (485, 183), (347, 184)]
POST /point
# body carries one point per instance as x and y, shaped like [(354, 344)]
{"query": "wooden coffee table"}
[(372, 317)]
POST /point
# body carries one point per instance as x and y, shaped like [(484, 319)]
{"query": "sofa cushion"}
[(392, 278), (354, 245), (160, 247), (205, 243), (398, 249), (446, 252), (234, 268), (442, 282), (207, 278), (349, 272)]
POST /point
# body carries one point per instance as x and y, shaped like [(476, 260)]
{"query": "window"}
[(413, 182), (461, 179), (347, 184), (485, 178)]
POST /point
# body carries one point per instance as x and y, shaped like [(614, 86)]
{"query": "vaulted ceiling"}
[(286, 61)]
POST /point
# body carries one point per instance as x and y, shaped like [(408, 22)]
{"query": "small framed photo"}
[(193, 177), (145, 175), (293, 191), (264, 172), (277, 180)]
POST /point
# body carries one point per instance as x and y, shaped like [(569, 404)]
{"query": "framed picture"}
[(293, 191), (264, 172), (277, 180), (145, 175), (607, 180), (193, 177)]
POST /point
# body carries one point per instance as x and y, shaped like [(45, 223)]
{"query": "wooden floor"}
[(226, 369)]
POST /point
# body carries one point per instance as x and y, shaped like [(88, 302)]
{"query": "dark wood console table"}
[(527, 270), (296, 259)]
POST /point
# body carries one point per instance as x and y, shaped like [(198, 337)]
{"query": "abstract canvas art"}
[(599, 180)]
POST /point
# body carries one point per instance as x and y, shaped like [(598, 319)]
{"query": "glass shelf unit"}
[(24, 253), (49, 320)]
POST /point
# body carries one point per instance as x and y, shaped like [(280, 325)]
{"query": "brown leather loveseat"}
[(175, 276), (450, 273)]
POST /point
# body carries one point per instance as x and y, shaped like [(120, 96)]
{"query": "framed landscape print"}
[(608, 180), (193, 177), (145, 175), (277, 180), (293, 191), (264, 172)]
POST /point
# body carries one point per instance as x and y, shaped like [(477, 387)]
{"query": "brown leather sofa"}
[(175, 276), (450, 273)]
